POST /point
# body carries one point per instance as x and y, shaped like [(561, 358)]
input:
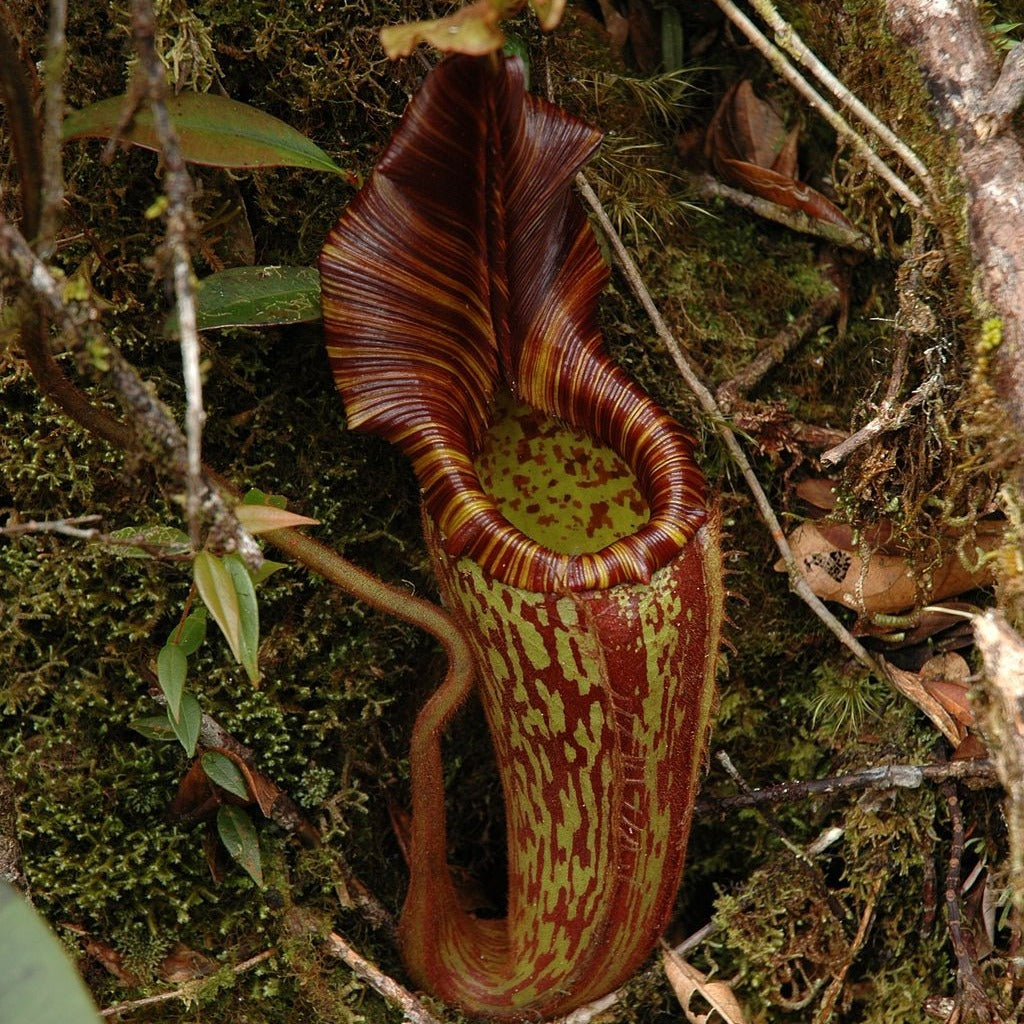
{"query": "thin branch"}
[(165, 444), (971, 996), (53, 117), (178, 188), (186, 992), (890, 417), (415, 1012), (707, 402), (787, 37), (70, 527), (884, 777), (776, 349), (778, 60), (795, 220)]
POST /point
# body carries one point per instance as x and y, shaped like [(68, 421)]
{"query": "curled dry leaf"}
[(687, 982), (914, 688), (474, 30), (947, 678), (747, 146), (884, 583)]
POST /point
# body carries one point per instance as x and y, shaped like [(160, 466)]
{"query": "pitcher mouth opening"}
[(546, 505)]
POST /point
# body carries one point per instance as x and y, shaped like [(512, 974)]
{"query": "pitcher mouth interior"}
[(561, 488)]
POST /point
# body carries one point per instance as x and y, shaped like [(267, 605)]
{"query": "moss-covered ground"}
[(80, 624)]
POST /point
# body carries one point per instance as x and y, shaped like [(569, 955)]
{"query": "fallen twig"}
[(415, 1012), (890, 417), (178, 189), (972, 1000), (889, 776), (776, 349), (185, 992), (787, 37)]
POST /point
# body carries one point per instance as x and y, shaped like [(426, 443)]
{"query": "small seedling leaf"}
[(248, 616), (154, 727), (267, 568), (254, 496), (191, 633), (212, 130), (264, 518), (186, 728), (217, 589), (222, 771), (238, 834), (171, 670)]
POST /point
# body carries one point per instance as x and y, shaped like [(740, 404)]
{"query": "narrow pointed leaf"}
[(256, 297), (254, 496), (171, 669), (217, 589), (267, 568), (212, 130), (238, 834), (263, 518), (222, 771), (187, 726), (248, 616)]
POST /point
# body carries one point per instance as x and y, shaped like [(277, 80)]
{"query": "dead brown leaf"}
[(883, 583), (687, 982), (912, 687), (747, 146)]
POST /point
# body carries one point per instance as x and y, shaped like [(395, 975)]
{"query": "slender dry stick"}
[(415, 1012), (778, 60), (53, 117), (889, 776), (178, 188), (707, 402), (796, 220), (787, 37), (185, 991), (971, 994)]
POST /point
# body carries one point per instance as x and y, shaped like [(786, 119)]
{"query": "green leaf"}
[(238, 834), (217, 589), (254, 496), (212, 130), (38, 984), (256, 297), (167, 540), (248, 616), (154, 727), (171, 669), (221, 770), (267, 568), (191, 633), (186, 728)]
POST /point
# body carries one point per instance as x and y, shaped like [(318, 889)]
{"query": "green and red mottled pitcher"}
[(569, 531)]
